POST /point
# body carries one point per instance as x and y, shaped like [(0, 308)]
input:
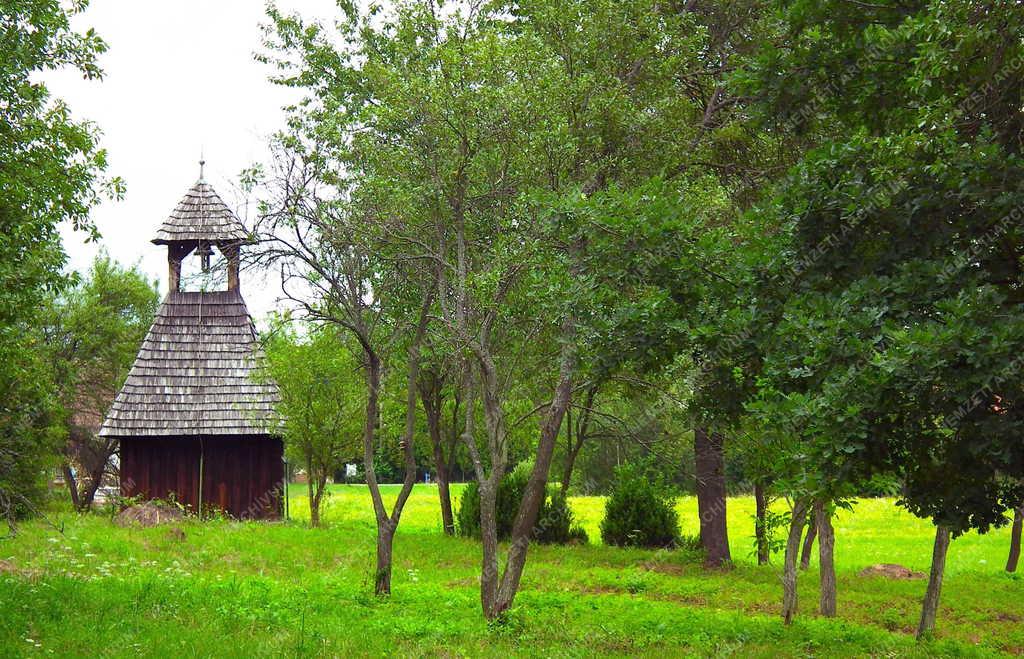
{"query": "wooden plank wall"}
[(243, 476)]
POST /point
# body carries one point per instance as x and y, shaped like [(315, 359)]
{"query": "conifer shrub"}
[(555, 522), (640, 512)]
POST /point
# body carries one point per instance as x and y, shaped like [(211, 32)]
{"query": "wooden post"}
[(230, 252), (176, 253)]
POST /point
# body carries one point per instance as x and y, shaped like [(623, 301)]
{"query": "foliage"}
[(891, 319), (510, 493), (776, 524), (529, 158), (555, 521), (93, 332), (639, 512), (50, 175), (321, 399)]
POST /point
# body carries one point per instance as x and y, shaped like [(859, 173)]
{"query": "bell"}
[(205, 252)]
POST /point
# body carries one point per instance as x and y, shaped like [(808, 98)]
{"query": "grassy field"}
[(281, 589)]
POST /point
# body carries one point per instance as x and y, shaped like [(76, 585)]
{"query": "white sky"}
[(179, 78)]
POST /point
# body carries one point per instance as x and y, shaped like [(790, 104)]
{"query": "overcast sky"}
[(179, 78)]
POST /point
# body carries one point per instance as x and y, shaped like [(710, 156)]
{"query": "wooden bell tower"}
[(194, 419)]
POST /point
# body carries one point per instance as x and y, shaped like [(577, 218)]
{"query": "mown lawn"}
[(281, 589)]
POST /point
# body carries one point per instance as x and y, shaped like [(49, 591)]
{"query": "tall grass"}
[(262, 589)]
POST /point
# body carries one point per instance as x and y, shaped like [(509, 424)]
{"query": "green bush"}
[(556, 524), (554, 521), (640, 511), (510, 493)]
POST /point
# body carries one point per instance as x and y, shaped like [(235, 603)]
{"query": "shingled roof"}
[(194, 373), (201, 215)]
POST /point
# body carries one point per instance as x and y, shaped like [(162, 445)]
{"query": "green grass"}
[(281, 589)]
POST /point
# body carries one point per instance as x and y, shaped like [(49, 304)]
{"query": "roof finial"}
[(202, 162)]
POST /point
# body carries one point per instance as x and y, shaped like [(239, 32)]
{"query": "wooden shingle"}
[(194, 373), (201, 215)]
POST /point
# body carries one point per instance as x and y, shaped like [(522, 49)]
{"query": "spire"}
[(201, 215), (202, 162)]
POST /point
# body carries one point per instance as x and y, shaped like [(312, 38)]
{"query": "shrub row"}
[(640, 511), (555, 522)]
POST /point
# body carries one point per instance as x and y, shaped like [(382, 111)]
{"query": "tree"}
[(541, 159), (50, 175), (898, 331), (432, 387), (319, 381), (1015, 532), (93, 332), (337, 271), (668, 237)]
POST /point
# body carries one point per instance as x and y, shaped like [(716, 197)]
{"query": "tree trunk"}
[(314, 505), (710, 466), (760, 524), (789, 571), (387, 524), (430, 396), (385, 540), (570, 462), (573, 446), (826, 563), (445, 496), (99, 457), (382, 576), (812, 532), (1015, 530), (536, 486), (570, 455), (930, 607), (489, 575), (69, 480), (87, 497)]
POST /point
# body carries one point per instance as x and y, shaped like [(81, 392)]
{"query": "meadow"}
[(282, 589)]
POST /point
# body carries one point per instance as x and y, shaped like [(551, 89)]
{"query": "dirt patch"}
[(891, 571), (6, 567), (148, 514), (663, 568), (603, 590)]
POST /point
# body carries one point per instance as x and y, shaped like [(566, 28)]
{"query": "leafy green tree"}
[(894, 304), (321, 401), (513, 150), (411, 82), (93, 332), (323, 247), (50, 175)]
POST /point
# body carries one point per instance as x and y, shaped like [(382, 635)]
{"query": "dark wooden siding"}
[(242, 476)]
